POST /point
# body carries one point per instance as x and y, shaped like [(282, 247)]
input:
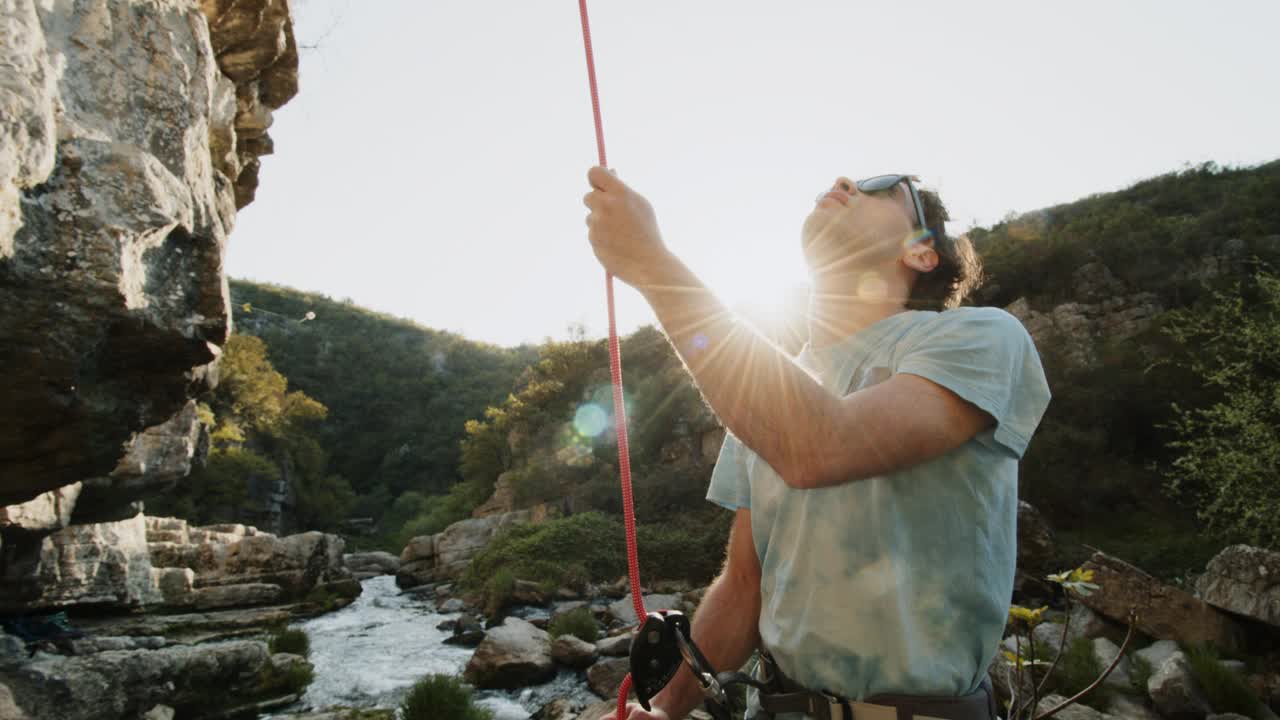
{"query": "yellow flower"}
[(1027, 615)]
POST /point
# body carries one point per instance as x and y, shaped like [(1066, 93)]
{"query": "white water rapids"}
[(371, 652)]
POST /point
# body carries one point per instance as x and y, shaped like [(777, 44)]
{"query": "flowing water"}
[(371, 652)]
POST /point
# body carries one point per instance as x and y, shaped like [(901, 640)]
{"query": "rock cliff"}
[(129, 136)]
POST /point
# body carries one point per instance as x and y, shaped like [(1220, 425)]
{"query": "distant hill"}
[(398, 394)]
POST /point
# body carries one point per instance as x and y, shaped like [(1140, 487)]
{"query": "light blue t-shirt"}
[(899, 583)]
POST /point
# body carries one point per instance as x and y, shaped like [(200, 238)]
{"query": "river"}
[(371, 652)]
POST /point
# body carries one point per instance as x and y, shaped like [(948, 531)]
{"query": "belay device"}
[(664, 639), (660, 645)]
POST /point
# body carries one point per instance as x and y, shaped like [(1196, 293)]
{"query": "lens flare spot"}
[(590, 420)]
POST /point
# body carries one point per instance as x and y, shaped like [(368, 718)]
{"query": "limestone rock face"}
[(129, 135), (512, 655), (145, 561), (1244, 580), (1164, 612), (105, 564), (237, 566), (128, 683), (46, 513), (157, 459), (1103, 313), (443, 556)]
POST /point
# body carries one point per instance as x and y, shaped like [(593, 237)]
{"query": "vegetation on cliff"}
[(399, 394), (260, 434), (1111, 439)]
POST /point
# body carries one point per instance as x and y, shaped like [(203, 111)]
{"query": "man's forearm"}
[(726, 630), (767, 401)]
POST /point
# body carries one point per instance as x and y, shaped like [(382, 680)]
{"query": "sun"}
[(767, 293)]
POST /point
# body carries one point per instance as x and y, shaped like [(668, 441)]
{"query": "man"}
[(874, 477)]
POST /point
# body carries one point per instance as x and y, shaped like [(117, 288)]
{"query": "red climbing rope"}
[(615, 372)]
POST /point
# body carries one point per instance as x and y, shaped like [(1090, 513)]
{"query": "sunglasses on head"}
[(880, 183)]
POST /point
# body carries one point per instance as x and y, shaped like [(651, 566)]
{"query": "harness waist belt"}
[(786, 696)]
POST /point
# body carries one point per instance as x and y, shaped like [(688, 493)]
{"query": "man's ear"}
[(921, 257)]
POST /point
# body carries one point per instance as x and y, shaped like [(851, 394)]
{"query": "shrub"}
[(1226, 691), (578, 623), (442, 697), (537, 552), (290, 640), (1077, 669), (498, 591), (274, 682)]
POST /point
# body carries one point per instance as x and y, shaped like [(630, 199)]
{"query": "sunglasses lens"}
[(878, 183)]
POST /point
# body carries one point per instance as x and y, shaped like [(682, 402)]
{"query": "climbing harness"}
[(664, 640)]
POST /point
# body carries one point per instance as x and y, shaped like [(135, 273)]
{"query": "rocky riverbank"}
[(115, 619), (1196, 652)]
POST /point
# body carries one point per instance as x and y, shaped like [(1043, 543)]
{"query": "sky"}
[(434, 161)]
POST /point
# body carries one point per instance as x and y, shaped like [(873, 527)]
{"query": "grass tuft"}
[(290, 640), (442, 697), (579, 623)]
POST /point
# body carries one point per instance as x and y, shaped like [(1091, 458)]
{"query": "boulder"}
[(512, 655), (371, 564), (1157, 652), (452, 605), (1085, 623), (1106, 652), (605, 677), (1244, 580), (624, 610), (1164, 612), (1037, 551), (467, 632), (616, 646), (559, 709), (598, 710), (1174, 690), (1003, 676), (9, 710), (129, 683), (1123, 706), (1075, 711), (443, 556), (572, 651)]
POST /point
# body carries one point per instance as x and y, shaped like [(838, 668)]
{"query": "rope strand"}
[(615, 373)]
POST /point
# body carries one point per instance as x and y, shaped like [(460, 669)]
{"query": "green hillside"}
[(1160, 449), (398, 394)]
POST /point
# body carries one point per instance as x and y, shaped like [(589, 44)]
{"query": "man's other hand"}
[(623, 229), (635, 712)]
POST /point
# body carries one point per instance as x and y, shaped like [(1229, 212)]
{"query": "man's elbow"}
[(819, 474)]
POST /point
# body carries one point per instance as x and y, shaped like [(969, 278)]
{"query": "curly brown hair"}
[(959, 270)]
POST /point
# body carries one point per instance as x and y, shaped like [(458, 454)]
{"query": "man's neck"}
[(840, 307)]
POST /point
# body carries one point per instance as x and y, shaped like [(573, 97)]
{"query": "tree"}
[(1228, 453)]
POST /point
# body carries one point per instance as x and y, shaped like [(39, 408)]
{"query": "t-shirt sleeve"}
[(729, 486), (987, 357)]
